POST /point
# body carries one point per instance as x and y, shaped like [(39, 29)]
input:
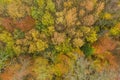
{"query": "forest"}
[(59, 39)]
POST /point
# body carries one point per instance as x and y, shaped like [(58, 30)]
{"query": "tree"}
[(47, 19), (87, 49), (115, 31), (71, 17), (103, 44), (91, 36), (50, 6)]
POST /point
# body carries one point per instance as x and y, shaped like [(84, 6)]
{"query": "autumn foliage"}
[(104, 44), (59, 39)]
